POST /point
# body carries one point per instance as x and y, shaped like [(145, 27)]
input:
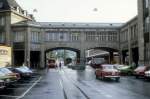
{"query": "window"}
[(2, 37), (35, 37), (2, 21), (75, 36), (146, 37), (147, 3), (18, 37)]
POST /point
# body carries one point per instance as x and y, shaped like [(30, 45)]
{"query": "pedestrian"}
[(60, 65)]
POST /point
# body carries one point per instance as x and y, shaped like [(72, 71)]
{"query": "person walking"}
[(60, 65)]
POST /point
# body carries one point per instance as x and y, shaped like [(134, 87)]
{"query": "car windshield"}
[(108, 67), (21, 69), (25, 67), (5, 70), (141, 68)]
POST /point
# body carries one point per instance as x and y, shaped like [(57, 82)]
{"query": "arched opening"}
[(110, 55), (64, 55)]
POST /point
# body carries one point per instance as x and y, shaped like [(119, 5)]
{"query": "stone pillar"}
[(8, 29), (82, 56), (129, 46), (140, 32), (111, 57), (82, 48), (27, 46), (42, 52), (121, 57), (9, 34)]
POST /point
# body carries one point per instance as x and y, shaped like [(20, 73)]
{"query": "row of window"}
[(133, 35), (102, 36), (90, 36), (62, 36)]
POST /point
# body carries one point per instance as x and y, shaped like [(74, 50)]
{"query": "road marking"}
[(15, 88), (21, 96), (9, 96)]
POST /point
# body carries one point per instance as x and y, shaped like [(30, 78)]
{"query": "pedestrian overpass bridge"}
[(42, 37)]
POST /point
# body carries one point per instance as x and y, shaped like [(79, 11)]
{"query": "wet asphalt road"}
[(71, 84)]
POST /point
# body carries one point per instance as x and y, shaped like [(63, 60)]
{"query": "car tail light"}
[(141, 73), (107, 73), (18, 75)]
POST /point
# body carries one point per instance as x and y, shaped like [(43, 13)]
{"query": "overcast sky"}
[(81, 10)]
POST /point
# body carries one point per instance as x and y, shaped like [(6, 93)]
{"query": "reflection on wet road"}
[(71, 84)]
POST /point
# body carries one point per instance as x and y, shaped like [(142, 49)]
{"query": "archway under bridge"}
[(78, 57), (110, 55)]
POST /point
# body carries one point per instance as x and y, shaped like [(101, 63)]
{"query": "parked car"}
[(147, 74), (140, 71), (2, 84), (97, 62), (23, 71), (8, 76), (125, 69), (107, 71)]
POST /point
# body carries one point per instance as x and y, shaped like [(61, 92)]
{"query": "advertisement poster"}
[(5, 56)]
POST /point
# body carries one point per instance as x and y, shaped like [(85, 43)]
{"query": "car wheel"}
[(96, 77), (136, 76), (117, 79)]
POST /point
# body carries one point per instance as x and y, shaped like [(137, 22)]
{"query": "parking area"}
[(19, 89)]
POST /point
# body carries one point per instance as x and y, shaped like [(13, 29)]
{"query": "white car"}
[(147, 74)]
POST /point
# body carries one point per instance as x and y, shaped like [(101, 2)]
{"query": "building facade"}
[(144, 30), (31, 40)]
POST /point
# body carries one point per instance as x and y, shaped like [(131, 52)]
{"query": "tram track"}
[(74, 84)]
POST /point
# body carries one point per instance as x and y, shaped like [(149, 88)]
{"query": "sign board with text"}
[(5, 56)]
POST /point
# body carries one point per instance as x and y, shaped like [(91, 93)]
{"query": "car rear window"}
[(5, 70)]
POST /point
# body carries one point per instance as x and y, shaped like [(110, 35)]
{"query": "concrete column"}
[(9, 34), (27, 46), (8, 29), (121, 57), (82, 50), (42, 52), (111, 57), (140, 32), (82, 56), (129, 45)]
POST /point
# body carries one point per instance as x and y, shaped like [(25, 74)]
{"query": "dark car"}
[(107, 71), (23, 71), (140, 71), (8, 76), (2, 84)]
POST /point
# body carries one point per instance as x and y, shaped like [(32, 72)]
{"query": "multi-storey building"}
[(129, 42), (31, 40), (144, 30)]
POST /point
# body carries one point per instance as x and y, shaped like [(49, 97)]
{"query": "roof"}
[(7, 4), (4, 5), (80, 25), (69, 24)]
